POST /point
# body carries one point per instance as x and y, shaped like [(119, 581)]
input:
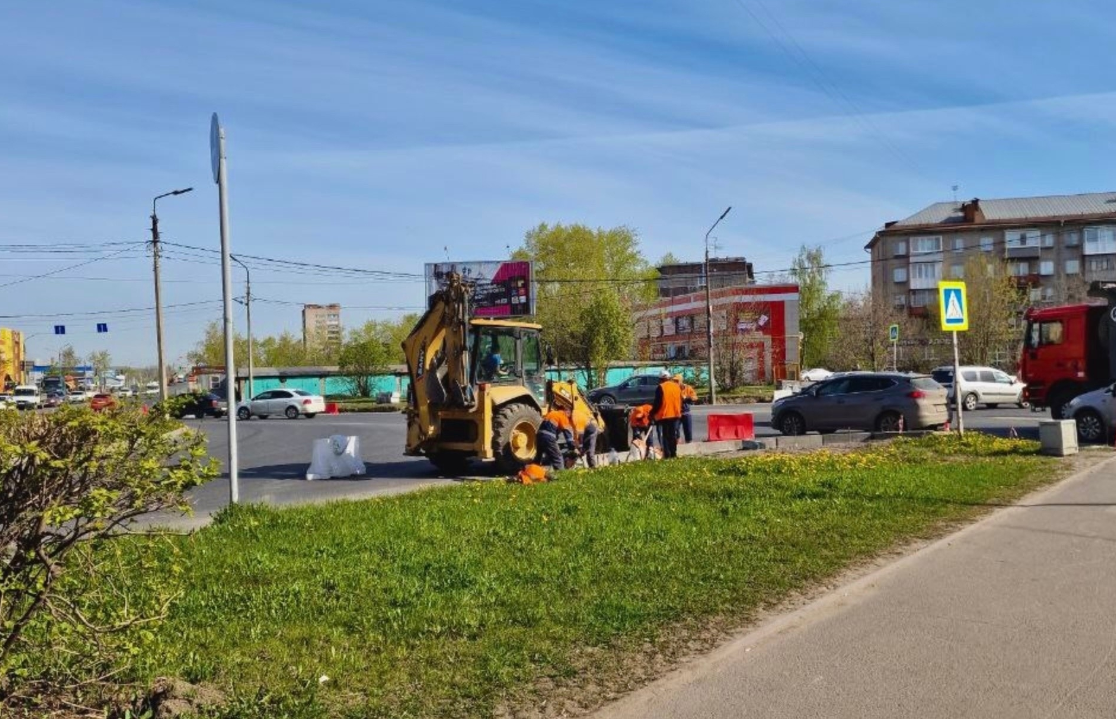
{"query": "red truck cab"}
[(1065, 353)]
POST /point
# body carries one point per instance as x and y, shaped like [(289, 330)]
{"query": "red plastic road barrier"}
[(731, 426), (331, 408)]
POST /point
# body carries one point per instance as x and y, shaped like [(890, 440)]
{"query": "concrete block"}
[(846, 438), (695, 449), (805, 441), (753, 445), (1058, 437)]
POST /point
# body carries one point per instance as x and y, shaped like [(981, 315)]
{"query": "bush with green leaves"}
[(71, 482)]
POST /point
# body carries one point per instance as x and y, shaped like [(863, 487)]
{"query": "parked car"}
[(53, 398), (637, 389), (1094, 413), (290, 403), (817, 374), (982, 385), (100, 402), (76, 396), (874, 401), (201, 405), (27, 396)]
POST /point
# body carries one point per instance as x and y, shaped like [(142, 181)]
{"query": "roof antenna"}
[(445, 248), (955, 187)]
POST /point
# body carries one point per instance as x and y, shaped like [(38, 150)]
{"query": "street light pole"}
[(248, 310), (709, 313), (159, 291)]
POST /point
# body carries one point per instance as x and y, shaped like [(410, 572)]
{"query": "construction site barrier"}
[(332, 408), (730, 426)]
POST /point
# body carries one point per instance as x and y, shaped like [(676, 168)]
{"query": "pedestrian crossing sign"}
[(953, 306)]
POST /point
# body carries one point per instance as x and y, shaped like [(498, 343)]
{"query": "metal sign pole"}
[(217, 153), (957, 386)]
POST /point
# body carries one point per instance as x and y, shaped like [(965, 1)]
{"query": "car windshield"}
[(925, 383)]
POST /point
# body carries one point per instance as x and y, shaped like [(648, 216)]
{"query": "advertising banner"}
[(501, 288)]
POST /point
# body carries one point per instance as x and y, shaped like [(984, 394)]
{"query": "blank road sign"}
[(954, 308)]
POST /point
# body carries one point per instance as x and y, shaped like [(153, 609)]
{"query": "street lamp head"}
[(190, 189), (728, 210)]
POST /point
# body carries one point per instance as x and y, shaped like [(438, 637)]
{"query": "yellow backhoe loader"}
[(478, 386)]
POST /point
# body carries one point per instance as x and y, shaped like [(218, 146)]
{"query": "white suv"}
[(982, 385)]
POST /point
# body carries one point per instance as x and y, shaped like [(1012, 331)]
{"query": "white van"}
[(27, 396), (982, 385)]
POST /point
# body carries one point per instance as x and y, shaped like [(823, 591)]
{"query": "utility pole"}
[(159, 291), (217, 156), (709, 313), (248, 309)]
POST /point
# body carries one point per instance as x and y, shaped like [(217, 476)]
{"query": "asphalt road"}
[(275, 453)]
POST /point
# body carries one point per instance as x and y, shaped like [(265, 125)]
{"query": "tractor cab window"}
[(534, 370), (494, 355)]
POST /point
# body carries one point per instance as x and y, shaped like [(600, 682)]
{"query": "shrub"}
[(71, 481)]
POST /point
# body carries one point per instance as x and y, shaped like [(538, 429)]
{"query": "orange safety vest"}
[(671, 405), (581, 419), (640, 417), (559, 419), (688, 393)]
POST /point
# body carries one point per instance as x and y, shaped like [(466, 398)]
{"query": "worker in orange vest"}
[(557, 422), (667, 413), (689, 397), (585, 432)]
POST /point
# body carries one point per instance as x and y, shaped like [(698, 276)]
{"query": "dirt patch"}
[(598, 676), (173, 698)]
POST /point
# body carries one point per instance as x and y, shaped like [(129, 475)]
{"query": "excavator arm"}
[(437, 355)]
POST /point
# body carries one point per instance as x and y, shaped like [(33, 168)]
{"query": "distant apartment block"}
[(321, 324), (1054, 246)]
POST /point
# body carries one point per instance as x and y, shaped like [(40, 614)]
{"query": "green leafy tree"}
[(588, 281), (369, 350), (863, 341), (101, 362), (818, 307)]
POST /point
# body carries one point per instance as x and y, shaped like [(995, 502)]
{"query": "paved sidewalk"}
[(1012, 617)]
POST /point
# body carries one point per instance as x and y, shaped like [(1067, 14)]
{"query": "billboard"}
[(501, 288)]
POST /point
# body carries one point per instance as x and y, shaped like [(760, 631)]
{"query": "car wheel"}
[(291, 412), (792, 424), (888, 422), (970, 402), (1090, 426), (606, 400), (992, 405), (244, 414)]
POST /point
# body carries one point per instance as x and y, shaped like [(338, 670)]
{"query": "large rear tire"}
[(515, 429)]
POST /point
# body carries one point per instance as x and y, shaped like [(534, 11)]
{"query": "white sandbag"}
[(336, 456)]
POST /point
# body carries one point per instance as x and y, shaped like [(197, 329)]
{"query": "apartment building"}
[(1054, 245), (322, 323)]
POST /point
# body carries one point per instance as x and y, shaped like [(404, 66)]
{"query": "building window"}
[(926, 245), (1035, 294), (899, 274), (1015, 239), (900, 248), (1048, 239), (926, 270), (1100, 264), (899, 301), (684, 324), (1073, 238), (958, 244), (1073, 267), (1048, 294), (922, 298), (1046, 267), (986, 244), (1100, 240), (1020, 269), (957, 272)]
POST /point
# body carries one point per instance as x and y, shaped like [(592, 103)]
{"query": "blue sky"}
[(373, 134)]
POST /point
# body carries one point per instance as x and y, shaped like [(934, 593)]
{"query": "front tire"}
[(970, 402), (1090, 427), (514, 436), (291, 412), (792, 424)]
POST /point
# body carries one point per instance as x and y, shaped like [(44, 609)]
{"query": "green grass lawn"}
[(460, 601)]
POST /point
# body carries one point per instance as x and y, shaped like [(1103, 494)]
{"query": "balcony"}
[(1100, 275), (1022, 251), (1032, 279)]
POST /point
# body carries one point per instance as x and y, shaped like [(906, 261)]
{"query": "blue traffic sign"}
[(954, 309), (60, 329), (102, 327)]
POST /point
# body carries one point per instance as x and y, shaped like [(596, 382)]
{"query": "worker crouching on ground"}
[(667, 413), (689, 397), (555, 423)]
